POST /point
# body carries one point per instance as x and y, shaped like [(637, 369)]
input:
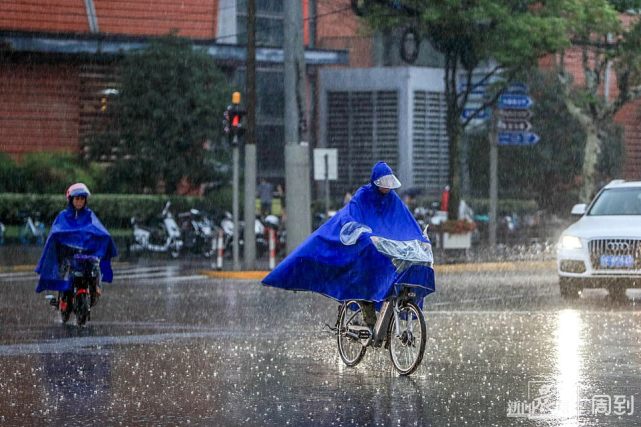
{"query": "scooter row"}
[(195, 231)]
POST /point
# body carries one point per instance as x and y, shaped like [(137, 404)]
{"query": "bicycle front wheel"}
[(407, 342), (350, 346), (82, 309)]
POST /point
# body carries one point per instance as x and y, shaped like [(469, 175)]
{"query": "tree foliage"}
[(555, 161), (604, 42), (166, 119), (45, 172), (497, 37)]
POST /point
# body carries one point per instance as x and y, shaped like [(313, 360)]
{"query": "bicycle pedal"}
[(52, 300)]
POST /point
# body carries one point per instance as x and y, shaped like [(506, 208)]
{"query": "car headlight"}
[(570, 242)]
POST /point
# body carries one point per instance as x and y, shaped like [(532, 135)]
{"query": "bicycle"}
[(400, 326), (32, 231)]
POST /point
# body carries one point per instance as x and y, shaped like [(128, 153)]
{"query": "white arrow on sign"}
[(515, 101), (514, 126)]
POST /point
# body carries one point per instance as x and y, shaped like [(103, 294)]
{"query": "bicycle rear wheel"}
[(350, 346), (406, 350)]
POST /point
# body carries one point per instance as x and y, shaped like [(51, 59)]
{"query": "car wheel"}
[(568, 289)]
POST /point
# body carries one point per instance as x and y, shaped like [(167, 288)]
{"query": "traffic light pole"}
[(235, 187)]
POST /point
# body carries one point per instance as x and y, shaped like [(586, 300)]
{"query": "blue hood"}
[(323, 264), (81, 230), (380, 169)]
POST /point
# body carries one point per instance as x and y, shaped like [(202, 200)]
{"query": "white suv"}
[(603, 248)]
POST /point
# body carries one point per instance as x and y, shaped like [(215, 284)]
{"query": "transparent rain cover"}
[(351, 231), (388, 181), (405, 253)]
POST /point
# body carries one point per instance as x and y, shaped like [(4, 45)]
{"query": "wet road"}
[(168, 346)]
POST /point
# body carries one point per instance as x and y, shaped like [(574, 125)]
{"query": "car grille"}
[(615, 250)]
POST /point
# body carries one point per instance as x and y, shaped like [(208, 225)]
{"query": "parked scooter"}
[(227, 224), (199, 232), (83, 271), (162, 236)]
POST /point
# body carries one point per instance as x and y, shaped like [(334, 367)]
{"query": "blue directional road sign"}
[(515, 101), (477, 88), (468, 112), (517, 87), (518, 138)]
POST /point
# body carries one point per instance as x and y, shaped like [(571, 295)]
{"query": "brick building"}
[(57, 61)]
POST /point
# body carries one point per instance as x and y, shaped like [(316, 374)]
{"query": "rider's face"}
[(79, 202), (384, 190)]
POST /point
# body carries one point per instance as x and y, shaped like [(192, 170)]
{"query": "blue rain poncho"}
[(364, 252), (78, 230)]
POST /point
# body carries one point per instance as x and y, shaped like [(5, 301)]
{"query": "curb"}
[(448, 268)]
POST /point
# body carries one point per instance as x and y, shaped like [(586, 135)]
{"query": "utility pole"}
[(297, 185), (250, 140), (493, 190)]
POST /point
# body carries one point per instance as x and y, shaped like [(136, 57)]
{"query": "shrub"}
[(115, 210), (52, 172)]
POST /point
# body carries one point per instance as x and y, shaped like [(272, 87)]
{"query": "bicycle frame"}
[(391, 307), (377, 336)]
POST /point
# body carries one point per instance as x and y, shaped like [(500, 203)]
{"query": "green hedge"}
[(114, 210)]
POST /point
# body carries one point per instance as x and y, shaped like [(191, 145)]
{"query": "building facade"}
[(58, 62)]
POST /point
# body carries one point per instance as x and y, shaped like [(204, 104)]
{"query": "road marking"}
[(156, 275), (244, 275), (445, 268), (477, 300), (67, 344)]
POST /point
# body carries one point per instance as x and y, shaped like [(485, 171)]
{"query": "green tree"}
[(498, 38), (604, 45), (46, 172), (166, 119), (555, 161), (10, 176)]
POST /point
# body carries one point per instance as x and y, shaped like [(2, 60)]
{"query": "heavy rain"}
[(445, 199)]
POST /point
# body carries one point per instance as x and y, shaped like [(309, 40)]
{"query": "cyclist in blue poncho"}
[(342, 261), (77, 228)]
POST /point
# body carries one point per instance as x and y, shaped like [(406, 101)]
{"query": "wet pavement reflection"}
[(168, 346)]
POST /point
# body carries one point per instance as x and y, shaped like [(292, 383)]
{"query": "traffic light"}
[(233, 117), (103, 104), (237, 127)]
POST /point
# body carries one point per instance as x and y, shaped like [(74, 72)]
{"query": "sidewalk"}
[(25, 258)]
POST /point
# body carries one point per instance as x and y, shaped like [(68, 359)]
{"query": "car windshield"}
[(618, 201)]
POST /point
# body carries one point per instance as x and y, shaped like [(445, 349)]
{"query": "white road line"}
[(118, 277), (18, 274), (164, 278)]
